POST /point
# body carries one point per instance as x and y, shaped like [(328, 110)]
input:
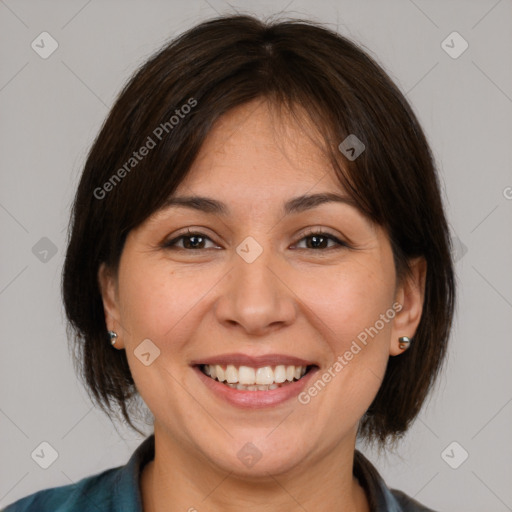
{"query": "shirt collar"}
[(379, 496), (128, 496)]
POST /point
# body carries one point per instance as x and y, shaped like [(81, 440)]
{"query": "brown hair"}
[(214, 67)]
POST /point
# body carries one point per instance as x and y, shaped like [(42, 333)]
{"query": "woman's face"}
[(253, 295)]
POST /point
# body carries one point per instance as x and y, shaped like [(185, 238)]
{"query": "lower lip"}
[(256, 399)]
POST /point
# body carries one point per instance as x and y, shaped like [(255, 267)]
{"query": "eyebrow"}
[(294, 205)]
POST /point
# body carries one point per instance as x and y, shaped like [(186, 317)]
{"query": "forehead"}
[(254, 147)]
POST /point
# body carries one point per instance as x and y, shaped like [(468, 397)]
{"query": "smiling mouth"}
[(247, 378)]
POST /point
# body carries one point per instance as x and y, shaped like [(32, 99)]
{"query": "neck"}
[(175, 481)]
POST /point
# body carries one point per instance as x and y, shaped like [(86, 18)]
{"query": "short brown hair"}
[(223, 63)]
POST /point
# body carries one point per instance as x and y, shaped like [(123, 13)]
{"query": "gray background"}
[(52, 108)]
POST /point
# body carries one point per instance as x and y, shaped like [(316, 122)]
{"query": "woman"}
[(259, 233)]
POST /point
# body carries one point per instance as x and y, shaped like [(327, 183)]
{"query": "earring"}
[(404, 342), (113, 337)]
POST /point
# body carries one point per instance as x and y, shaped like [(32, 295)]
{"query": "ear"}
[(108, 289), (409, 295)]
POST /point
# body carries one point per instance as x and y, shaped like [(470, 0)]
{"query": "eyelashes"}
[(192, 240), (317, 234)]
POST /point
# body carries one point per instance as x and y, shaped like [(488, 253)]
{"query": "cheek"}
[(349, 301), (158, 302)]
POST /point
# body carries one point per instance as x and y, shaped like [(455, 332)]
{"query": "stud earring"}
[(404, 342), (113, 337)]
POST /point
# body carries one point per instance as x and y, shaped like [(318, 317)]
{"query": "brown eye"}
[(320, 239), (191, 241), (315, 240)]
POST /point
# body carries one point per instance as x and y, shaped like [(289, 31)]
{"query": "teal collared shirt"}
[(117, 489)]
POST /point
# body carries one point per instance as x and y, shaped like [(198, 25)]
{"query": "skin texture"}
[(310, 303)]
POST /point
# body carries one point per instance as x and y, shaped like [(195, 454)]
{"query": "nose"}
[(255, 296)]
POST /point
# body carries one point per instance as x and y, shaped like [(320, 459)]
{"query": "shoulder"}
[(407, 503), (90, 493), (113, 490), (380, 497)]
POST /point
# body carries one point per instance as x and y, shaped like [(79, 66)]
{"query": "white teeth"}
[(280, 374), (231, 374), (252, 387), (264, 375), (253, 379), (221, 376), (246, 375)]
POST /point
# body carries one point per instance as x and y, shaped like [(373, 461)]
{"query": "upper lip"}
[(253, 361)]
